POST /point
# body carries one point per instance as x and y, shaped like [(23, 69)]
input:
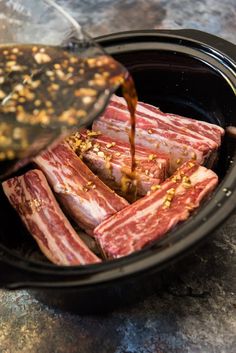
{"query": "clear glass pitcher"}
[(53, 78)]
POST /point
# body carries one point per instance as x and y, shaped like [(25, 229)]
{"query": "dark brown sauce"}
[(45, 91), (130, 95)]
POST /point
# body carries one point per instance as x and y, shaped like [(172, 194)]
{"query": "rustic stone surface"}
[(195, 311), (100, 17)]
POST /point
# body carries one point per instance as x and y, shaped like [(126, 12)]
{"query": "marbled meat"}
[(149, 218), (181, 138), (83, 195), (110, 160), (34, 201)]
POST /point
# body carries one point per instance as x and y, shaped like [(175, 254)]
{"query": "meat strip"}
[(83, 195), (34, 201), (110, 160), (149, 218), (181, 138)]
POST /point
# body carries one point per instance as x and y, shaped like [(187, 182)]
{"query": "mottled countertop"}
[(100, 17), (195, 311)]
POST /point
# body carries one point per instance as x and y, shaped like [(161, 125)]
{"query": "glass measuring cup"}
[(53, 78)]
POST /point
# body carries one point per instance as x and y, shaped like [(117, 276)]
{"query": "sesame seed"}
[(15, 50), (106, 74), (155, 187), (10, 154), (19, 87), (14, 96), (81, 113), (171, 191), (57, 66), (60, 74), (49, 73), (42, 58), (37, 103), (91, 62), (151, 157), (87, 100), (73, 60), (35, 111), (167, 204), (54, 87), (48, 104), (85, 92), (2, 94), (11, 63), (2, 156), (93, 133), (100, 81), (51, 110), (186, 185), (17, 133), (16, 68), (35, 84)]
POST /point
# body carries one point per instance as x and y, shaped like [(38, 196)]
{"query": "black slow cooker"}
[(187, 72)]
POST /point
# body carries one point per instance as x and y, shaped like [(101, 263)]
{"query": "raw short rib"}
[(34, 201), (181, 138), (149, 218), (83, 195), (110, 160)]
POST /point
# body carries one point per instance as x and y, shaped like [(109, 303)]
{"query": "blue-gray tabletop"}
[(195, 310)]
